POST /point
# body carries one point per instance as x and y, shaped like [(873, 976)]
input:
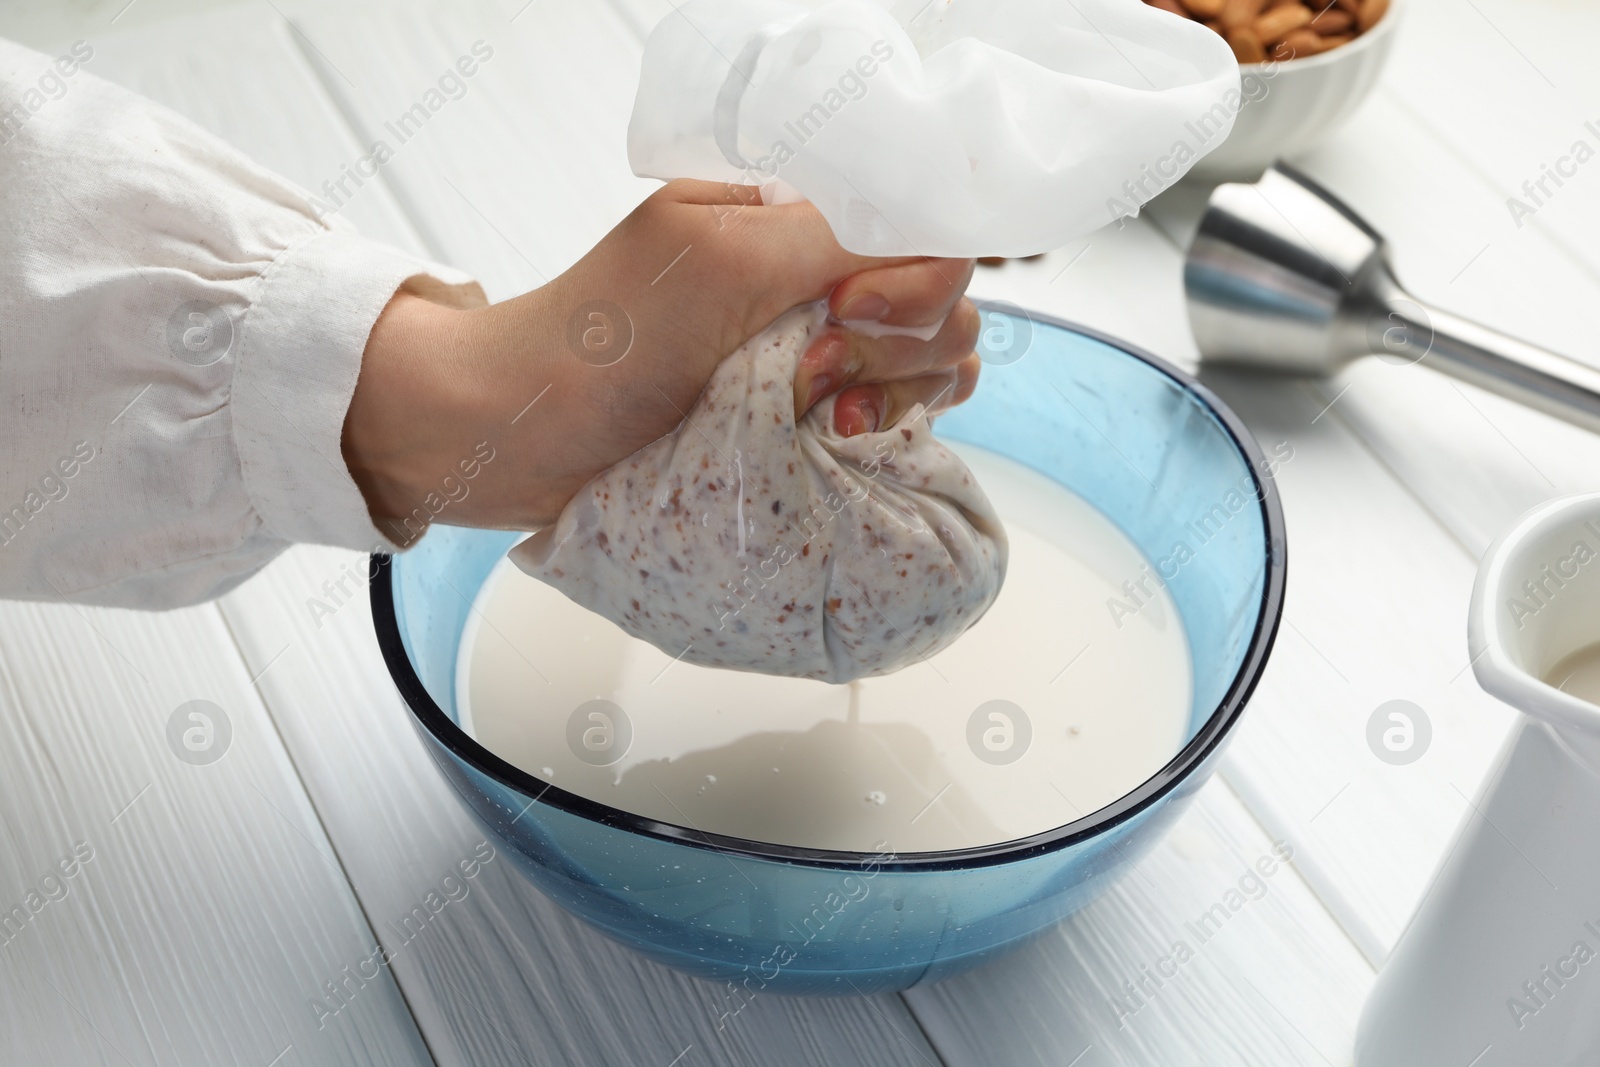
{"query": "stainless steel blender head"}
[(1284, 277)]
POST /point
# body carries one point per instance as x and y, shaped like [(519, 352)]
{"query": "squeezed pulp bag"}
[(958, 128), (744, 540)]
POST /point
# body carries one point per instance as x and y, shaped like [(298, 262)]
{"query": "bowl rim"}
[(1382, 29), (1194, 754)]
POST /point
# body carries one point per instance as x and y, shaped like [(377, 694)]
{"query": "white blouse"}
[(180, 337)]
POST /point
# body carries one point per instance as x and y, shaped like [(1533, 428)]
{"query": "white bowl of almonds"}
[(1304, 66)]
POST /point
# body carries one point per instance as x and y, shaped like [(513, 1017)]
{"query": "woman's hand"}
[(694, 272)]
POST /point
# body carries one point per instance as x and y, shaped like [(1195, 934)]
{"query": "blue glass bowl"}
[(1142, 441)]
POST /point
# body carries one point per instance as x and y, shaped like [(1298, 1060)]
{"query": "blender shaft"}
[(1478, 355)]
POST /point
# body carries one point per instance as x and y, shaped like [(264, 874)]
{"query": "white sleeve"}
[(180, 335)]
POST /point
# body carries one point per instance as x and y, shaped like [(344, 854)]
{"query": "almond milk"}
[(1047, 709), (1579, 674)]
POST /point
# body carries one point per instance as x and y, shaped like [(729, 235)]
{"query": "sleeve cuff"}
[(302, 343)]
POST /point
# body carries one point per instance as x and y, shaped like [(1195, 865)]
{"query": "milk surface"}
[(1043, 712), (1579, 674)]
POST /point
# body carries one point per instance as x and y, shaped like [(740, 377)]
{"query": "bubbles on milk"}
[(877, 797)]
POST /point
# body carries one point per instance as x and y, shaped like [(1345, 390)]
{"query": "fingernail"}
[(868, 307), (829, 352), (819, 389), (871, 408)]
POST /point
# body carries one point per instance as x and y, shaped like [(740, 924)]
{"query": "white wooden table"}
[(225, 902)]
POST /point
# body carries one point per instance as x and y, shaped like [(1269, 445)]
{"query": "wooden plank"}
[(527, 169), (211, 68), (46, 27), (1376, 612), (504, 976), (208, 909), (1276, 982), (1511, 86)]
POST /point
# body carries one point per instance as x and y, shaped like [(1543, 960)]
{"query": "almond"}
[(1280, 21), (1285, 29), (1333, 21), (1298, 45), (1237, 14), (1246, 45)]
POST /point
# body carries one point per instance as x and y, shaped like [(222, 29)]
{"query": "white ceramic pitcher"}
[(1500, 965)]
